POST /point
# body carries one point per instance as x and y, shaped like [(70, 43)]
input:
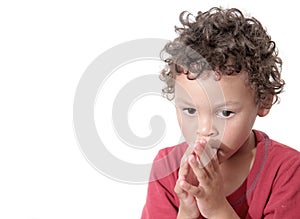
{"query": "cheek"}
[(188, 126), (179, 117), (238, 131)]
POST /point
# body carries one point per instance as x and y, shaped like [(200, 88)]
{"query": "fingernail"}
[(202, 142), (192, 159), (197, 146)]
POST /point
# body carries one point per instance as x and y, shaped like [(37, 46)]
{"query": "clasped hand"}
[(200, 184)]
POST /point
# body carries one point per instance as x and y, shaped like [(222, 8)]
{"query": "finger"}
[(211, 165), (215, 163), (188, 151), (198, 169), (206, 156), (203, 157), (184, 168), (200, 149), (196, 191), (180, 192)]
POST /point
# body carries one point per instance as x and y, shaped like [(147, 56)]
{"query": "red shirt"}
[(271, 190)]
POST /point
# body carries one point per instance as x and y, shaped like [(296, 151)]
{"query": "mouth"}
[(212, 147), (214, 144)]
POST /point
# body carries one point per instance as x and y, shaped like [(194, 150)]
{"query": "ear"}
[(264, 108), (262, 111)]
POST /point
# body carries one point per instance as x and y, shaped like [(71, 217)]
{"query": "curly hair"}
[(227, 42)]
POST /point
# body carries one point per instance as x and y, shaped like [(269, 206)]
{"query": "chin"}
[(222, 157)]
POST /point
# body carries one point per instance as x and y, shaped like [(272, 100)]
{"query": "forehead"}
[(227, 88)]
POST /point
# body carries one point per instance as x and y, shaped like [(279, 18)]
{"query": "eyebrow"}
[(218, 105), (227, 103), (184, 101)]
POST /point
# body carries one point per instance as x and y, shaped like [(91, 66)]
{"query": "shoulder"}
[(167, 161), (162, 201), (172, 152), (276, 150), (287, 161), (280, 160), (279, 178), (283, 153)]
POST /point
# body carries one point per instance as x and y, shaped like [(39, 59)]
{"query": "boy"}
[(223, 71)]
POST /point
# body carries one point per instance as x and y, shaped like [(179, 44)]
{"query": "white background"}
[(45, 47)]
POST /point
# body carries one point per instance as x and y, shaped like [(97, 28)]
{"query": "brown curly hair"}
[(225, 41)]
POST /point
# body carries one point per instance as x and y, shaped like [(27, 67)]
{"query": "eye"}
[(190, 111), (225, 113)]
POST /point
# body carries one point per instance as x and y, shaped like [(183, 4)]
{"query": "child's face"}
[(221, 112)]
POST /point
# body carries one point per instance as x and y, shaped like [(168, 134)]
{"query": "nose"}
[(206, 127)]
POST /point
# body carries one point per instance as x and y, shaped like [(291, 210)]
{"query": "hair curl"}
[(225, 41)]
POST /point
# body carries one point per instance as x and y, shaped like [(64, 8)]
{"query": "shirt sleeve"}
[(161, 201), (285, 194)]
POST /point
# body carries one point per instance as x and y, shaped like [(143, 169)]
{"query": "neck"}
[(247, 149), (236, 169)]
